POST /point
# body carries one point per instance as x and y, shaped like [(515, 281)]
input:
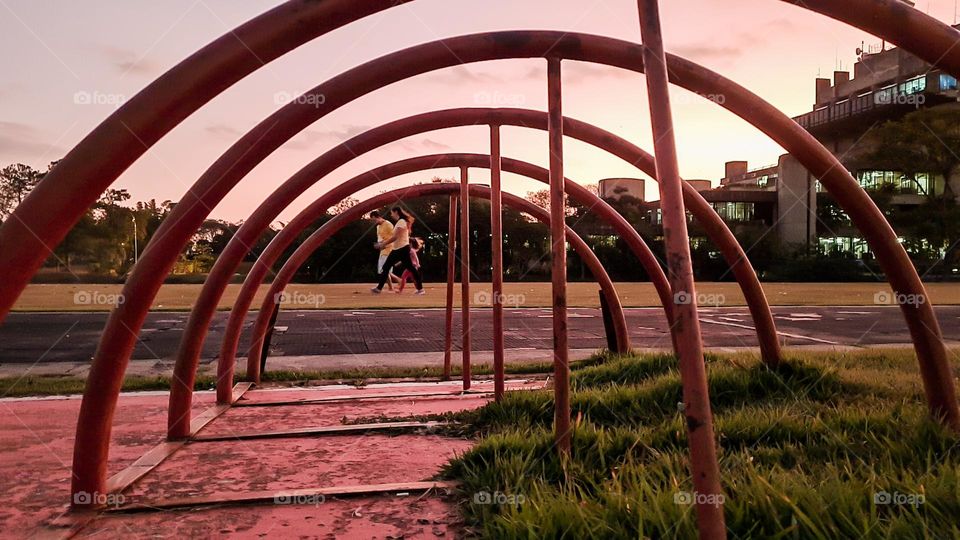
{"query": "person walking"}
[(384, 232), (400, 240), (416, 244)]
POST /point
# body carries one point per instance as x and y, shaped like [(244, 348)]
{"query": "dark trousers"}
[(401, 256)]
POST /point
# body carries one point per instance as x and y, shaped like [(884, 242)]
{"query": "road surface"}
[(72, 337)]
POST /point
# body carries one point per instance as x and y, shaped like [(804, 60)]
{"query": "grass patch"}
[(58, 385), (813, 449)]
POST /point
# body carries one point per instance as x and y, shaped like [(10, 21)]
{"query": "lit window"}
[(913, 86), (947, 82)]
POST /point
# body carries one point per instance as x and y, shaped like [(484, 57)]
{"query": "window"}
[(947, 82), (913, 86), (763, 181), (735, 211), (656, 217), (843, 244), (874, 180)]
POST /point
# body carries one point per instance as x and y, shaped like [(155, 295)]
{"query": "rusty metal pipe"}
[(451, 279), (496, 263), (558, 258), (465, 238), (705, 469)]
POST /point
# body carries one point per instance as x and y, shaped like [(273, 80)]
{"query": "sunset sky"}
[(110, 49)]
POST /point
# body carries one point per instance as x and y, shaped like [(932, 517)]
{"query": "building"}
[(615, 188), (886, 84)]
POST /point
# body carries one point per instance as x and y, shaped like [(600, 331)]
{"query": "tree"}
[(345, 205), (16, 181), (924, 141)]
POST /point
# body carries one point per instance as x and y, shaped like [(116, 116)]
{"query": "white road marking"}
[(748, 327)]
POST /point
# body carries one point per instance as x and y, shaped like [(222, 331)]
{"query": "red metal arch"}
[(319, 237), (383, 173), (180, 401), (113, 353), (253, 227)]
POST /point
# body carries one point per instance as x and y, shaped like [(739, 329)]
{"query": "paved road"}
[(56, 337)]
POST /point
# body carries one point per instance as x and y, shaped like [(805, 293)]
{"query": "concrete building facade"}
[(886, 84)]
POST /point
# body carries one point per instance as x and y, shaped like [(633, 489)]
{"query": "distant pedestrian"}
[(400, 240), (384, 232)]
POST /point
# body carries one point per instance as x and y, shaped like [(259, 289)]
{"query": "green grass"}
[(804, 450), (57, 385)]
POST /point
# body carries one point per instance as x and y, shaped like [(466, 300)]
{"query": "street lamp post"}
[(136, 249)]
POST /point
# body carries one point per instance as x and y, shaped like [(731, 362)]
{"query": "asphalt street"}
[(58, 337)]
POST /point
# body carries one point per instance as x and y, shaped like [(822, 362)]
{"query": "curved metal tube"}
[(226, 360), (196, 329), (328, 229)]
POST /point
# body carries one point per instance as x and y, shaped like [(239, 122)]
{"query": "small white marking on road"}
[(280, 329), (748, 327), (731, 319), (795, 317)]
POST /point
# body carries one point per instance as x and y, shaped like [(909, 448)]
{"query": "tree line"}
[(106, 242)]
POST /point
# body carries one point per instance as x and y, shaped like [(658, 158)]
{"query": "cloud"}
[(224, 131), (581, 72), (308, 139), (431, 144), (22, 142), (737, 44), (423, 145), (126, 61), (705, 51), (461, 75)]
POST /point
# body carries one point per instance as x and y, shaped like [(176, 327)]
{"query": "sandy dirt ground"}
[(88, 297)]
